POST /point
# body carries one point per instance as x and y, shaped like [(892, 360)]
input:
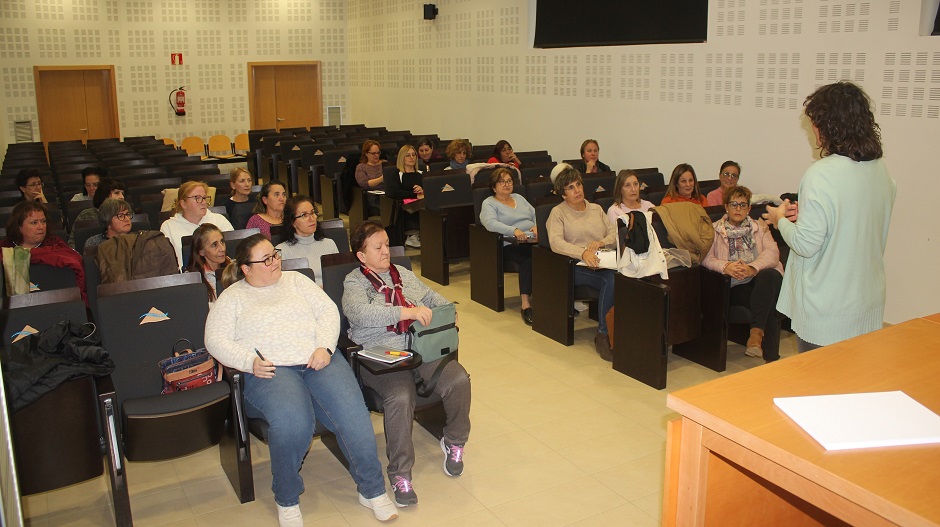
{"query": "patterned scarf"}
[(393, 295), (741, 244)]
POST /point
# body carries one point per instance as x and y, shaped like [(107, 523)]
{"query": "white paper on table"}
[(863, 420)]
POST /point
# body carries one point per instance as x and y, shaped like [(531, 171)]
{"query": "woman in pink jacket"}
[(745, 250)]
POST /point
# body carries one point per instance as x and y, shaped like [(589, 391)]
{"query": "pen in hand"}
[(260, 356)]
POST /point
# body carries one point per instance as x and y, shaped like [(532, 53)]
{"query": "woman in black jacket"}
[(405, 186)]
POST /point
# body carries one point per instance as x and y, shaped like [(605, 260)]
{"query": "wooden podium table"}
[(735, 459)]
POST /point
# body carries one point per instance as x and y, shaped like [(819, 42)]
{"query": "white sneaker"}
[(289, 516), (580, 306), (413, 240), (382, 507)]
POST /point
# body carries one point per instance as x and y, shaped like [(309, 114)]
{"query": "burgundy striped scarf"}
[(393, 295)]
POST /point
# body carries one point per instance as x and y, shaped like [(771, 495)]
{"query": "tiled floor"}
[(559, 439)]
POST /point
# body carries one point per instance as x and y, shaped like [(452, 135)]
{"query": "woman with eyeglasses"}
[(369, 170), (114, 216), (406, 186), (728, 175), (29, 181), (192, 210), (208, 256), (304, 234), (107, 189), (745, 250), (509, 214), (269, 211), (280, 329)]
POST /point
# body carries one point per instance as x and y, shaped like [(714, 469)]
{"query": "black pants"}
[(521, 255), (759, 295)]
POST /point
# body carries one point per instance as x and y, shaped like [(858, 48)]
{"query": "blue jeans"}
[(603, 281), (292, 402)]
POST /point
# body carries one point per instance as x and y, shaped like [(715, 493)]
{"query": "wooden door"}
[(285, 95), (76, 102)]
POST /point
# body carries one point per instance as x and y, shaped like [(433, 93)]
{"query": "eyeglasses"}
[(306, 215), (200, 199), (731, 175), (124, 215), (505, 182), (738, 205), (374, 153), (268, 260), (34, 185)]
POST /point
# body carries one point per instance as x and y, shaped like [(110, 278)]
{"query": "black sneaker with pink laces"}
[(453, 459), (404, 493)]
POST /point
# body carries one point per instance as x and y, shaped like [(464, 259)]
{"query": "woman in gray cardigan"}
[(381, 300)]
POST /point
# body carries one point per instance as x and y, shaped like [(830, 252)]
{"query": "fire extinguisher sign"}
[(176, 59)]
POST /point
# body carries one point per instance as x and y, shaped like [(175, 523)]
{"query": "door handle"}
[(83, 130), (279, 119)]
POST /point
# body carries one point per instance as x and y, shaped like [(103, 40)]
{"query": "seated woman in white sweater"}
[(304, 236), (510, 214), (577, 229), (280, 330)]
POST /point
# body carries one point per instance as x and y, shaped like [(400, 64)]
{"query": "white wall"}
[(739, 96), (217, 38)]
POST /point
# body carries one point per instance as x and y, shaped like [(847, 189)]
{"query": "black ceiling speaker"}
[(430, 11)]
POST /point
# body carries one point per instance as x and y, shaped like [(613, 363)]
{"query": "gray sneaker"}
[(453, 459), (404, 493)]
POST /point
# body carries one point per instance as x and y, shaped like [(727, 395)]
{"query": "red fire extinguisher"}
[(180, 106)]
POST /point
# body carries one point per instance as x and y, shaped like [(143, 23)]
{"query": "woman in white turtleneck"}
[(305, 238)]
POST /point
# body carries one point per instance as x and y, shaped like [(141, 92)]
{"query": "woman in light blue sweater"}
[(834, 284), (511, 215)]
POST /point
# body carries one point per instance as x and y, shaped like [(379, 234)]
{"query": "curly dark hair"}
[(842, 113)]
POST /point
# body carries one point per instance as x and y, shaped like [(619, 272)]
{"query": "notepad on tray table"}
[(863, 420), (386, 355)]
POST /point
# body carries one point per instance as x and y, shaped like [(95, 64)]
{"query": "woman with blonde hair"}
[(406, 186), (238, 205), (192, 210)]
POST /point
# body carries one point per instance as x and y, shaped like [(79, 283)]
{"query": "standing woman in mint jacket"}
[(834, 284)]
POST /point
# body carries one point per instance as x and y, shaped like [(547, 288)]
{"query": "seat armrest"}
[(236, 383), (347, 347)]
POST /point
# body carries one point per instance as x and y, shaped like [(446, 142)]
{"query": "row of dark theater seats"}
[(60, 439)]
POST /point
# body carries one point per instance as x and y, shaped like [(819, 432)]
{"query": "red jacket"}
[(55, 252)]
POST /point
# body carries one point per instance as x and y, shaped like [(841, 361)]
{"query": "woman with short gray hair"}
[(114, 216)]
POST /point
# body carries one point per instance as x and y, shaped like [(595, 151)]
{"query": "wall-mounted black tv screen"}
[(567, 24)]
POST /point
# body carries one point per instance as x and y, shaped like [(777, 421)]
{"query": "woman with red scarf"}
[(381, 300)]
